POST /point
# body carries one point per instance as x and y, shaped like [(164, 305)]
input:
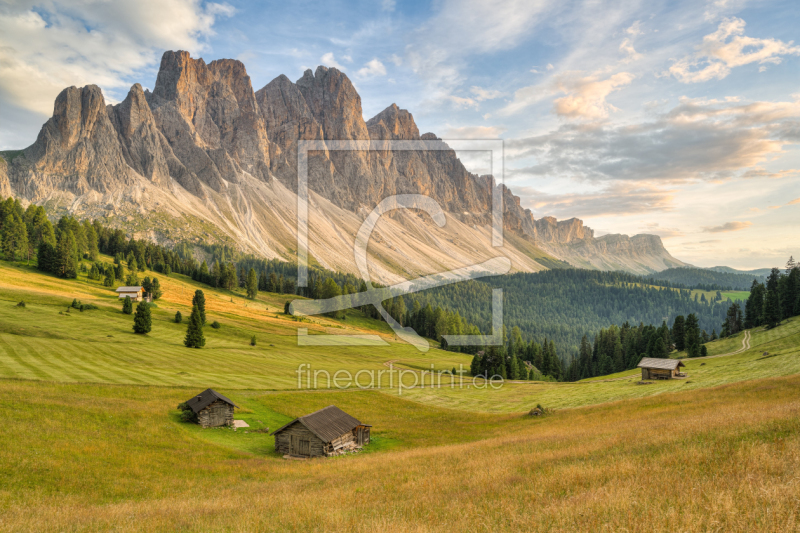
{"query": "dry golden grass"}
[(722, 459)]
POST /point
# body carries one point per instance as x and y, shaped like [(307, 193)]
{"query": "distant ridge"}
[(205, 158)]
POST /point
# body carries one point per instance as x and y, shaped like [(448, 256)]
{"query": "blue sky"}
[(675, 118)]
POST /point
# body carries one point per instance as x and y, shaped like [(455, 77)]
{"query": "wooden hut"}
[(322, 433), (661, 368), (212, 409), (136, 294)]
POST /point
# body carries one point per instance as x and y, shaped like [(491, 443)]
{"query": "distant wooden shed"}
[(135, 293), (321, 433), (653, 368), (212, 409)]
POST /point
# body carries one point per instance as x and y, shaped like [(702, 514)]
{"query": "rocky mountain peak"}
[(203, 130), (393, 123), (335, 104)]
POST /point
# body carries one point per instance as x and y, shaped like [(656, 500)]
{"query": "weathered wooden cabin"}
[(212, 409), (321, 433), (661, 368)]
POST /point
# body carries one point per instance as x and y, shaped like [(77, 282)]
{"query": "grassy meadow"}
[(111, 457), (92, 439)]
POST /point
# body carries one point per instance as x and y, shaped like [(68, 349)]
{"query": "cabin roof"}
[(206, 398), (129, 289), (665, 364), (328, 424)]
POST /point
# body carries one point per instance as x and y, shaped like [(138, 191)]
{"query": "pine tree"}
[(142, 320), (772, 301), (253, 340), (199, 301), (692, 336), (156, 289), (178, 317), (66, 255), (330, 289), (678, 333), (272, 284), (194, 333), (127, 305), (110, 279), (252, 284)]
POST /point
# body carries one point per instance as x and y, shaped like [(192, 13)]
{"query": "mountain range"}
[(206, 158)]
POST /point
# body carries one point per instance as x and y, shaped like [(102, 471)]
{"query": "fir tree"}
[(772, 300), (194, 333), (66, 255), (127, 305), (678, 333), (252, 284), (692, 336), (199, 301), (142, 320), (110, 278), (253, 340), (178, 317), (156, 289)]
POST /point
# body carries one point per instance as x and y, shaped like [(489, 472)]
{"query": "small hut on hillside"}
[(321, 433), (661, 368), (212, 409), (136, 294)]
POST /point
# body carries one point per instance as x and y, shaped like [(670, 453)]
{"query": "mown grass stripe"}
[(33, 371)]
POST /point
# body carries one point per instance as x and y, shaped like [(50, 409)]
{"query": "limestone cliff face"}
[(550, 230), (204, 145), (76, 150), (210, 118), (5, 185)]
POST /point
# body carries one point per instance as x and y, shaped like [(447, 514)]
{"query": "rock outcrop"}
[(204, 146)]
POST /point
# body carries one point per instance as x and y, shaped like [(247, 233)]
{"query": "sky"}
[(680, 119)]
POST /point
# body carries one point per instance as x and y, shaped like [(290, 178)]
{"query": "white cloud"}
[(396, 59), (727, 227), (440, 48), (59, 44), (372, 68), (727, 48), (330, 61), (482, 94), (634, 29), (550, 66), (616, 199), (461, 102), (626, 47), (586, 96), (473, 132), (707, 140)]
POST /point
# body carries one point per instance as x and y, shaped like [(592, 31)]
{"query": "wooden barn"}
[(322, 433), (136, 294), (212, 409), (661, 368)]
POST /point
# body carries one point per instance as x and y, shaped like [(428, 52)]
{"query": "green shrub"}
[(178, 317), (216, 325), (187, 415), (21, 304), (253, 341)]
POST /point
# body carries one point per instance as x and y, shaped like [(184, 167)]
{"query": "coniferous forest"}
[(561, 324)]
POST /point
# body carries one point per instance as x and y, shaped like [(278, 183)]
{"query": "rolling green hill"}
[(92, 439)]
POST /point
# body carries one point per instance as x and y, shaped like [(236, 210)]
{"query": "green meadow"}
[(92, 439)]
